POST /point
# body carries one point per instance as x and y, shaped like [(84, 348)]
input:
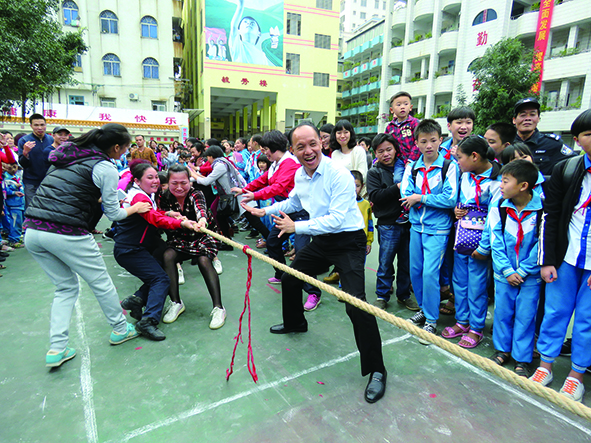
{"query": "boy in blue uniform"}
[(429, 190), (460, 122), (565, 257), (514, 225)]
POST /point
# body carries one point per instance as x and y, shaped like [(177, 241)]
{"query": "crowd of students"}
[(457, 222)]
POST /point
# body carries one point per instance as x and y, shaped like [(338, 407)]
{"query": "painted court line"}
[(512, 389), (204, 408), (85, 377), (274, 289)]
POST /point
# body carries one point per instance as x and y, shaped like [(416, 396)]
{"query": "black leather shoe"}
[(281, 329), (4, 254), (134, 305), (376, 387), (2, 259), (147, 328)]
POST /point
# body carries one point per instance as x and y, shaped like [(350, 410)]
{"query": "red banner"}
[(541, 43)]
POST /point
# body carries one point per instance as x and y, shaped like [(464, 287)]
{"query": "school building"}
[(255, 66), (425, 47)]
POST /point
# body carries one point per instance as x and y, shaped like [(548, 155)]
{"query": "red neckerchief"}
[(425, 189), (588, 201), (511, 213), (478, 188)]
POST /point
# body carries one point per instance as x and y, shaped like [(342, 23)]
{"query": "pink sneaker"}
[(312, 302), (274, 281)]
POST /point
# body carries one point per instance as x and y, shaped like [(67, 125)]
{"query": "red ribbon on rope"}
[(250, 357)]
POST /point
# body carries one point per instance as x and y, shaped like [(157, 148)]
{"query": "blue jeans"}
[(394, 243)]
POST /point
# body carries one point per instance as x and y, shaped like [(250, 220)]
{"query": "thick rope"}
[(484, 363)]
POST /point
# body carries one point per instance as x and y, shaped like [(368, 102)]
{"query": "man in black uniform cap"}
[(547, 149)]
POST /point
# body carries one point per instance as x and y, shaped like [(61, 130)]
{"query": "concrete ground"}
[(309, 387)]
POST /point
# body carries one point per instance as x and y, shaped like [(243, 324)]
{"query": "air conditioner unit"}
[(134, 97)]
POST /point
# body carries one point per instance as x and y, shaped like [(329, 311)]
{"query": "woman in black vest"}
[(59, 222)]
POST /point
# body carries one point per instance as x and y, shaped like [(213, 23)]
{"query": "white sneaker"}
[(573, 389), (181, 276), (218, 318), (542, 376), (173, 312), (217, 265)]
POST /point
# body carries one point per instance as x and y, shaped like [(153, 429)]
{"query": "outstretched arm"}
[(236, 19)]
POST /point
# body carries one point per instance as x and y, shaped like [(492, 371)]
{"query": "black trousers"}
[(346, 250)]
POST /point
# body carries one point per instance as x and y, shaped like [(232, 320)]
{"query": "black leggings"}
[(171, 257)]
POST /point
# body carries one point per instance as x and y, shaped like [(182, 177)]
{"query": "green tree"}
[(37, 55), (503, 76)]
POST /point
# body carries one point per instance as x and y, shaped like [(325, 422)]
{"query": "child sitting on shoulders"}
[(429, 190), (565, 257), (514, 224)]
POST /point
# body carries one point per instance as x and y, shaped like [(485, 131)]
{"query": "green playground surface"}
[(309, 388)]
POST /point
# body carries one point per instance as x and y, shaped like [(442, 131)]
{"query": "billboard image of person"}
[(245, 31)]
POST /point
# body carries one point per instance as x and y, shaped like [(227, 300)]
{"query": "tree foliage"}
[(37, 55), (503, 76)]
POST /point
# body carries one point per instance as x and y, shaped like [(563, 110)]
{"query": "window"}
[(324, 4), (294, 24), (292, 64), (108, 102), (111, 65), (322, 41), (362, 15), (320, 79), (377, 4), (487, 15), (78, 63), (76, 99), (363, 3), (109, 22), (384, 6), (71, 13), (158, 106), (149, 27), (150, 68)]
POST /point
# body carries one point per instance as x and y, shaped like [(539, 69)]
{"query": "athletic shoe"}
[(409, 304), (109, 234), (117, 339), (181, 276), (16, 245), (381, 303), (418, 319), (274, 281), (566, 350), (173, 312), (312, 302), (573, 389), (218, 318), (542, 376), (430, 329), (217, 265), (147, 328), (53, 360)]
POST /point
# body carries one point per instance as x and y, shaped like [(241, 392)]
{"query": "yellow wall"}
[(294, 92)]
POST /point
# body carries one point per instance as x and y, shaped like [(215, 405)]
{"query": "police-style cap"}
[(60, 129), (529, 102)]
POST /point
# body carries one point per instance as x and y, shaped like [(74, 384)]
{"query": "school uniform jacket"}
[(433, 214), (506, 261)]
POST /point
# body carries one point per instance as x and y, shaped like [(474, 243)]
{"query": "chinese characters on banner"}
[(541, 43), (244, 81)]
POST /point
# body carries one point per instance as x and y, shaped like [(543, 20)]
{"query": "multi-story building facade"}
[(130, 73), (355, 13), (255, 66), (426, 47)]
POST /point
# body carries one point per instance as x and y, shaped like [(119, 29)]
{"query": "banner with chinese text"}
[(541, 43)]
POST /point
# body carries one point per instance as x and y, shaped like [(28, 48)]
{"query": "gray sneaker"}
[(430, 329), (409, 303), (418, 319), (381, 303)]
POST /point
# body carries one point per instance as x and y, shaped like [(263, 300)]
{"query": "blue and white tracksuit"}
[(470, 276), (516, 306), (431, 221)]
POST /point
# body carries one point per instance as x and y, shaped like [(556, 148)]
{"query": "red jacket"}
[(6, 157), (280, 184)]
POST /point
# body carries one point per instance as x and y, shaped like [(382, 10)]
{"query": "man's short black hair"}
[(139, 135), (506, 131), (36, 117), (304, 123), (256, 138), (460, 113), (581, 124), (400, 94), (522, 171), (427, 126), (381, 138)]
